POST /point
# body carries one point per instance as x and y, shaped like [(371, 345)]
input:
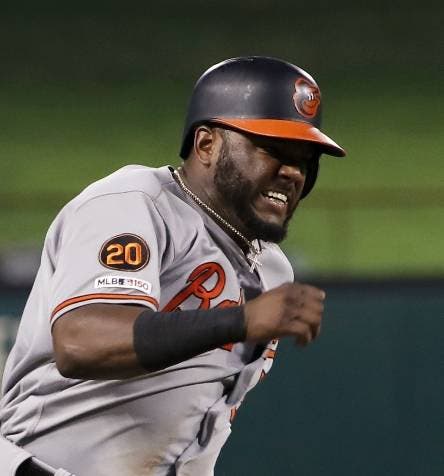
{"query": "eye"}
[(302, 164), (269, 150)]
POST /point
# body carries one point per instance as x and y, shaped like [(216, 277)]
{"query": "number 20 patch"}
[(126, 252)]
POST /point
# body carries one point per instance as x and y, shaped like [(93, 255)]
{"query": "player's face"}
[(260, 181)]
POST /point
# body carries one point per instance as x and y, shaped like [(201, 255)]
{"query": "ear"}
[(205, 144)]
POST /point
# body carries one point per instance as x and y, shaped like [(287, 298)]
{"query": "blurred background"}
[(88, 87)]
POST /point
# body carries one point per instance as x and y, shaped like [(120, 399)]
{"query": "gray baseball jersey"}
[(135, 237)]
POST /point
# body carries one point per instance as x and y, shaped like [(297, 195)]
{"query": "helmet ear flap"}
[(310, 179)]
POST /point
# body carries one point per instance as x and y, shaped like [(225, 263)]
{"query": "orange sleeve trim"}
[(110, 297), (270, 354)]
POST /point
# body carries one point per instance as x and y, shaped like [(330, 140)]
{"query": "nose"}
[(294, 172)]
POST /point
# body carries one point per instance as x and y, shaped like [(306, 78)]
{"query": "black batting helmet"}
[(263, 96)]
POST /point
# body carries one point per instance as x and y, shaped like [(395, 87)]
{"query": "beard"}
[(238, 191)]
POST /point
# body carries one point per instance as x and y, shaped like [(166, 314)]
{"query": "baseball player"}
[(162, 293)]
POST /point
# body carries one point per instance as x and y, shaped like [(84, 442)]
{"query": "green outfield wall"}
[(88, 87)]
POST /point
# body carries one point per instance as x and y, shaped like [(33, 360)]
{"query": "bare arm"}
[(97, 341), (108, 341)]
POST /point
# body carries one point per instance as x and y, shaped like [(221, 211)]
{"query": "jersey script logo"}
[(205, 283), (125, 252), (307, 98)]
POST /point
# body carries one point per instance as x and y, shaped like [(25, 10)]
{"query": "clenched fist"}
[(292, 309)]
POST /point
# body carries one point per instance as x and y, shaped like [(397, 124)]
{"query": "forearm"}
[(104, 341), (163, 339)]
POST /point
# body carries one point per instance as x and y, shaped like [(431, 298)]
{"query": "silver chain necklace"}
[(253, 251)]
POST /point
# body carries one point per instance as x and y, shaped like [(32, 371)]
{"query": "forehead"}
[(293, 146)]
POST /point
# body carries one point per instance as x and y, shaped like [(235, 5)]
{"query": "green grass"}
[(58, 139), (373, 242)]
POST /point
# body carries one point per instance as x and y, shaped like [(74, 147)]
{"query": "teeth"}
[(279, 196)]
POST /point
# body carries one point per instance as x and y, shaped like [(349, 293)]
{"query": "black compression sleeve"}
[(162, 339)]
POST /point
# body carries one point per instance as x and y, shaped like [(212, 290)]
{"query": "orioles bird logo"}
[(307, 98)]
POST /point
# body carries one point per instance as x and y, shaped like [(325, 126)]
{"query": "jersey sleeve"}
[(109, 251)]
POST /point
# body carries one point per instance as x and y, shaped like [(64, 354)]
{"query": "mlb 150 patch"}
[(126, 252), (123, 282)]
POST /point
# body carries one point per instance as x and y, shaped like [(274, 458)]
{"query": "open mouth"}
[(276, 198), (275, 201)]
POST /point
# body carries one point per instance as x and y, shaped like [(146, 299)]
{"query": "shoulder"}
[(131, 178), (132, 183), (122, 203), (130, 191)]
